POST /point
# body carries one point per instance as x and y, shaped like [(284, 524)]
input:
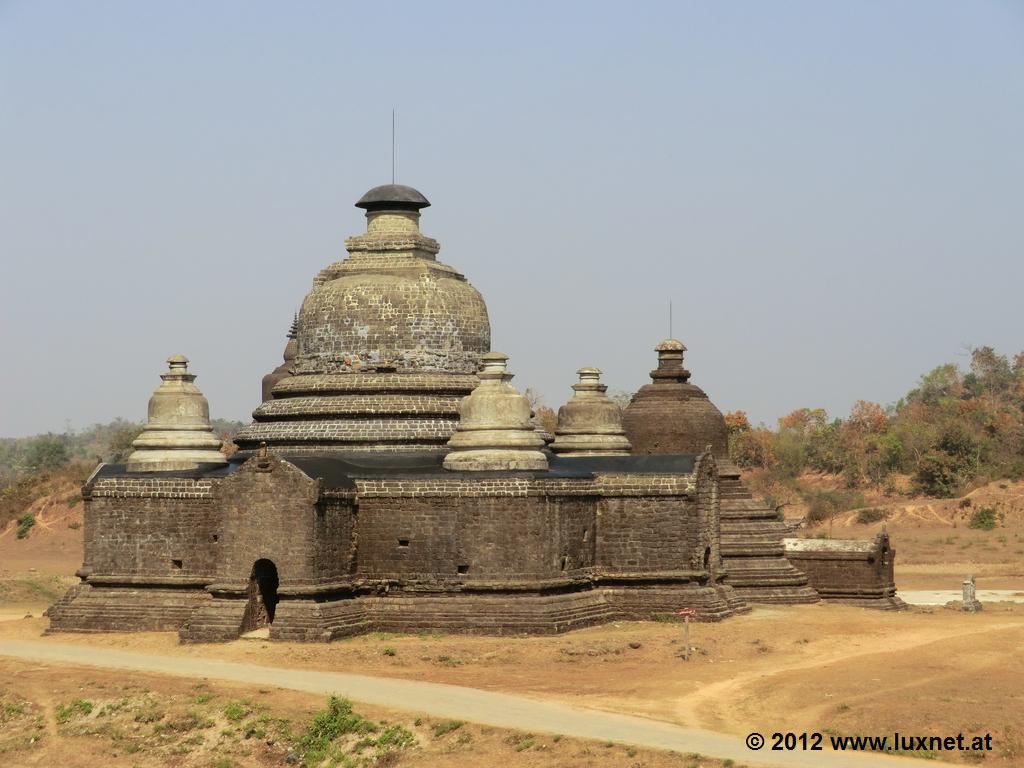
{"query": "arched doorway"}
[(262, 594)]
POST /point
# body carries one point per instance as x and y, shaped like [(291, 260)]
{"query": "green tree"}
[(119, 442), (45, 452), (937, 385), (990, 372), (947, 467)]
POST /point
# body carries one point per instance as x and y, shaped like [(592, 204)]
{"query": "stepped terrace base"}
[(201, 617)]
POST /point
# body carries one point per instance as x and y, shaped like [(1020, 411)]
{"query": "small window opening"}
[(565, 561), (216, 537), (462, 568), (586, 533), (176, 563), (403, 542), (707, 557)]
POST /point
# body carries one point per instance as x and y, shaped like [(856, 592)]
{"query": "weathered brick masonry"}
[(848, 571), (150, 550), (671, 415), (350, 506), (505, 553)]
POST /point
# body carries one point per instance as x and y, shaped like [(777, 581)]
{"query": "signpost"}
[(686, 613)]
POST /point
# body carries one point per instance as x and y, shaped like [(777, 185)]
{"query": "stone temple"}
[(394, 479)]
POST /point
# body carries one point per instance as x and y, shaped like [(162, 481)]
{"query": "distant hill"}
[(31, 467)]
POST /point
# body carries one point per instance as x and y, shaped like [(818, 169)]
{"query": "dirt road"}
[(497, 709)]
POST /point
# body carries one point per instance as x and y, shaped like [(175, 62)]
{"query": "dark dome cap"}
[(393, 197)]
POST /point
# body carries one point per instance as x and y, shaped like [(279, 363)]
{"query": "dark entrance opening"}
[(262, 593)]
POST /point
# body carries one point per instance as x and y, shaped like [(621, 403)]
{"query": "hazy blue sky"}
[(831, 193)]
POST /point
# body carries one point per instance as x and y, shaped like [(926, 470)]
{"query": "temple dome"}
[(388, 342), (590, 424), (417, 318), (495, 431), (177, 435), (671, 415), (284, 370), (391, 305)]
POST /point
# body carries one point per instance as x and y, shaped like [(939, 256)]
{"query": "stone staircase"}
[(218, 621), (752, 549), (120, 609)]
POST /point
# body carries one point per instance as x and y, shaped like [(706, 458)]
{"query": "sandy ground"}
[(801, 669), (54, 543), (941, 596), (432, 701)]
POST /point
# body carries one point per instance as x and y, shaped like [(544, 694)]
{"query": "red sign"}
[(686, 612)]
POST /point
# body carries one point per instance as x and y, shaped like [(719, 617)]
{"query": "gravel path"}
[(497, 709)]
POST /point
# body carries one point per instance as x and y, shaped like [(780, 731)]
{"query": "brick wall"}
[(635, 533), (150, 527), (455, 544), (857, 572), (474, 537), (276, 514)]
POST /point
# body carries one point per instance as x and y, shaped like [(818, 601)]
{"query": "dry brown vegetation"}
[(954, 431)]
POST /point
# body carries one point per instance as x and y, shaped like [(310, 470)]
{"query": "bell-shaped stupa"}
[(671, 415), (177, 435), (388, 342), (590, 424), (495, 430)]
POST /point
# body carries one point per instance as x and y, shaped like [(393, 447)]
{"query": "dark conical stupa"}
[(284, 370)]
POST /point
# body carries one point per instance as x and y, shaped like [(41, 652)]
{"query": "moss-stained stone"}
[(495, 430), (389, 339), (177, 434), (590, 424)]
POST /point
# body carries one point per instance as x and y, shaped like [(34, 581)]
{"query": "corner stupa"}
[(177, 435), (671, 415), (590, 424), (495, 431)]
